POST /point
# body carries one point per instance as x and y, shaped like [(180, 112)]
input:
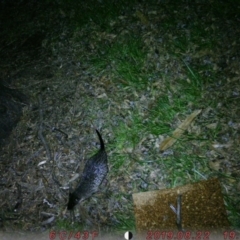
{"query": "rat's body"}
[(93, 174)]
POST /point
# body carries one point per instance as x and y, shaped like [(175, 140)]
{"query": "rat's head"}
[(73, 200)]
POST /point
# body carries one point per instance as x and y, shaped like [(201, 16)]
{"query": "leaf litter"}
[(55, 137)]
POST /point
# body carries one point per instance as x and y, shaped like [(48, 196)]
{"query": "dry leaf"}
[(142, 17), (169, 141)]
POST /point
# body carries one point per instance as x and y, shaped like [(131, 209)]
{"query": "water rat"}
[(93, 174)]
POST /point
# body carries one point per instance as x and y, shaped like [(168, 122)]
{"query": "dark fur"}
[(93, 174)]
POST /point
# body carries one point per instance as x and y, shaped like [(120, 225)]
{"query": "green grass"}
[(67, 225), (125, 57), (185, 167), (233, 207), (126, 222)]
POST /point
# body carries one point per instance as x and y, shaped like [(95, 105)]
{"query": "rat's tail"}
[(101, 140)]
